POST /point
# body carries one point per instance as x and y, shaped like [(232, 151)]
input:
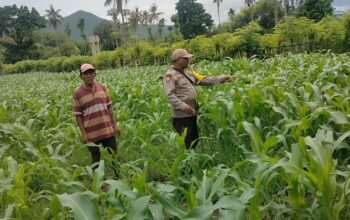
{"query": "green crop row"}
[(274, 145)]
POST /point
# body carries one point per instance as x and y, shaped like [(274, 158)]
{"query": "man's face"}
[(183, 62), (88, 77)]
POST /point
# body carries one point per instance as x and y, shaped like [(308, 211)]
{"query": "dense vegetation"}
[(275, 145), (291, 35), (264, 28)]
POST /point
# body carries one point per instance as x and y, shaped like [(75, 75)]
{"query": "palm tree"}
[(231, 12), (117, 9), (154, 15), (134, 18), (250, 3), (54, 18), (161, 25), (218, 2), (117, 5), (145, 18)]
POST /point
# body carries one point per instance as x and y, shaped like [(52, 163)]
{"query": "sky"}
[(166, 6)]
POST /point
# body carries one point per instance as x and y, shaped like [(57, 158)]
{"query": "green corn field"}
[(274, 145)]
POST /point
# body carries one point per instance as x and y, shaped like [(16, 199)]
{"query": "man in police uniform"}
[(179, 86)]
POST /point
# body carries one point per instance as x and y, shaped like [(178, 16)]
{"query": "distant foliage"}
[(16, 29), (192, 18), (315, 9), (292, 34)]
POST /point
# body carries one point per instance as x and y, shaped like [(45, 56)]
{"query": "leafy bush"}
[(74, 62), (103, 60), (203, 47), (54, 64)]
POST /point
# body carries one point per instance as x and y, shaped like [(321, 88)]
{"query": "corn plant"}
[(274, 145)]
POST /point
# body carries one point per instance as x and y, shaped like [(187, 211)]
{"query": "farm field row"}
[(274, 145)]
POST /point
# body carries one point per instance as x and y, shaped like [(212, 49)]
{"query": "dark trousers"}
[(109, 143), (191, 139)]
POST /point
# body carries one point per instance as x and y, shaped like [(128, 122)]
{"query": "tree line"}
[(263, 28)]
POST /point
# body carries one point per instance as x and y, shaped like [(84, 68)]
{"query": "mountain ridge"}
[(91, 20), (72, 20)]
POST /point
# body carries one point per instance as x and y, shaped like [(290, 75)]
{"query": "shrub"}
[(74, 62), (103, 60), (54, 64)]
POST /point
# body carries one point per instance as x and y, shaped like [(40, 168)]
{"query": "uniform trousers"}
[(191, 139)]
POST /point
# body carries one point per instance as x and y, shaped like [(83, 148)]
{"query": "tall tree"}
[(19, 26), (154, 15), (250, 38), (67, 30), (218, 2), (315, 9), (53, 17), (84, 45), (134, 18), (193, 20), (174, 31), (161, 25), (267, 11), (104, 29), (117, 9), (7, 15), (81, 26), (113, 13), (250, 4), (118, 6), (145, 18), (231, 12)]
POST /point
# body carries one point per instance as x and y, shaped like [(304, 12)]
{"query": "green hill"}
[(91, 21), (72, 20)]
